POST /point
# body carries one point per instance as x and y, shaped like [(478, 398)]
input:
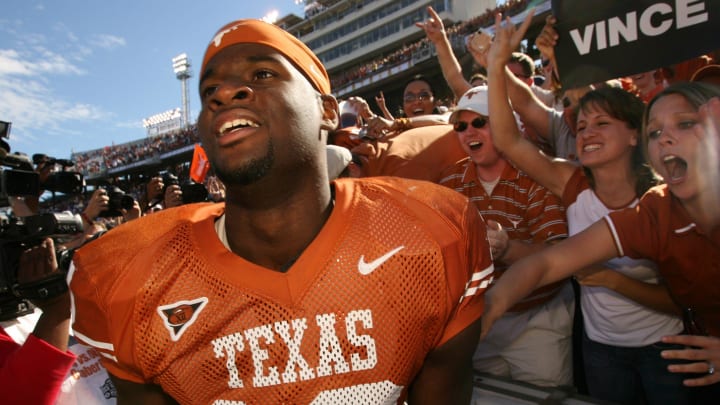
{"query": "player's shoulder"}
[(398, 187), (416, 198), (144, 231)]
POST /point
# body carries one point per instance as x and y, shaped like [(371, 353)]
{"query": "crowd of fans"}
[(96, 162), (456, 34)]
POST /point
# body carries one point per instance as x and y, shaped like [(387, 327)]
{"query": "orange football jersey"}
[(399, 268)]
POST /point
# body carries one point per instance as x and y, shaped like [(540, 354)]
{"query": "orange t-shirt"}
[(660, 229), (419, 153), (398, 269)]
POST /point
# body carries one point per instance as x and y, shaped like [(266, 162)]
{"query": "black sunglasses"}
[(478, 123)]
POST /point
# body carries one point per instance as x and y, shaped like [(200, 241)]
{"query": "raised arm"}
[(528, 106), (435, 31), (654, 296), (546, 41), (549, 265), (551, 174), (380, 101)]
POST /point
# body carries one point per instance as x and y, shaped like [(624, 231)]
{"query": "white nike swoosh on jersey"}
[(367, 268)]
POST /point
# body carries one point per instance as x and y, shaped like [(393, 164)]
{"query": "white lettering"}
[(260, 355), (628, 30), (684, 9), (281, 342), (365, 317), (293, 344), (583, 43), (225, 346), (329, 348), (608, 33), (600, 35), (646, 26)]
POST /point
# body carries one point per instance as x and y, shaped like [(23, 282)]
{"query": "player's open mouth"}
[(237, 124), (475, 145)]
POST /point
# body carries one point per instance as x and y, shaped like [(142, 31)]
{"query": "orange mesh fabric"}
[(398, 269)]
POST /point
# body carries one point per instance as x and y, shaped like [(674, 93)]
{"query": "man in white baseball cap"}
[(522, 217)]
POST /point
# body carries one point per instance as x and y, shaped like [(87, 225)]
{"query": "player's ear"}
[(331, 115)]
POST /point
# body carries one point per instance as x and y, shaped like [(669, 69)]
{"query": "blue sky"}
[(77, 75)]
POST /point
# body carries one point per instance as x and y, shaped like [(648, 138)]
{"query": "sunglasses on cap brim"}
[(479, 122)]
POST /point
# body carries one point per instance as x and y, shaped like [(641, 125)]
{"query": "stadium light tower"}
[(181, 67)]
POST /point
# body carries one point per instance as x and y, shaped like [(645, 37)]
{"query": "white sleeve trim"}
[(615, 236)]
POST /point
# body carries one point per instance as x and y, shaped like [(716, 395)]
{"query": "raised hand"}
[(507, 38), (433, 26)]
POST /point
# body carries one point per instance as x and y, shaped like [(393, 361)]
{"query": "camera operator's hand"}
[(98, 202), (23, 206), (133, 213), (215, 188), (53, 326), (154, 188), (173, 196), (44, 168)]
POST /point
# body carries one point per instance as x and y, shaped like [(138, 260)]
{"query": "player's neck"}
[(275, 237)]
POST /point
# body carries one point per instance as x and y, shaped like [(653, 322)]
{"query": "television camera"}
[(18, 179)]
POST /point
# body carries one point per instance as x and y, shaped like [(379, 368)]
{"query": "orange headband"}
[(260, 32)]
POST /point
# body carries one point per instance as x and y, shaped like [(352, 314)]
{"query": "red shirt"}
[(31, 373)]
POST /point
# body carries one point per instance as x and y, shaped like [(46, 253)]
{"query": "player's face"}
[(259, 115), (675, 136), (603, 139)]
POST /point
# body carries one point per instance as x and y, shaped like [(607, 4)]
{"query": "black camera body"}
[(19, 179), (20, 233), (118, 201), (194, 192), (64, 181), (191, 192)]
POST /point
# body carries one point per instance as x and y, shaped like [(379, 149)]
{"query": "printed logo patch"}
[(367, 268), (178, 316)]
